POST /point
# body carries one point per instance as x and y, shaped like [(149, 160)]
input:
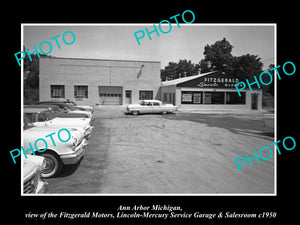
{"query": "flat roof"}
[(122, 60)]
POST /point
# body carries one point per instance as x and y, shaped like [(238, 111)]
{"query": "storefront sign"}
[(218, 82), (214, 80)]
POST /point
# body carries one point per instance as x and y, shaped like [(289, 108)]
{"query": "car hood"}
[(69, 122), (34, 133)]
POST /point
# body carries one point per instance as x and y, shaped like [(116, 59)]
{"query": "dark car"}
[(67, 108), (54, 108), (58, 111)]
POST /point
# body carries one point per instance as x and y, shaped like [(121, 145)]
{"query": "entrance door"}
[(128, 99), (254, 101)]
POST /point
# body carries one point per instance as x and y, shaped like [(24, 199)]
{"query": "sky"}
[(117, 41)]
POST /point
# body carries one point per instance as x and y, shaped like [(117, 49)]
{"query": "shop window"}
[(197, 98), (191, 97), (187, 97), (81, 91), (214, 98), (57, 91), (145, 95), (234, 98)]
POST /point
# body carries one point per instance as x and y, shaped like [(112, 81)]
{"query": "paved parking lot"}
[(181, 153)]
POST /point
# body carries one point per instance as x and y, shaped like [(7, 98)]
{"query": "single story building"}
[(98, 81), (213, 90), (122, 82)]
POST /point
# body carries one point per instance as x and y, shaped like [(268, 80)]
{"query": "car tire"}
[(135, 113), (53, 165)]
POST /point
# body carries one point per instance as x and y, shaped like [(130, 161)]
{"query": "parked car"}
[(58, 111), (32, 182), (62, 153), (82, 107), (66, 107), (54, 108), (46, 118), (150, 106)]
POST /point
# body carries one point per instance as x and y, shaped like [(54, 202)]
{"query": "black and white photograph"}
[(170, 115)]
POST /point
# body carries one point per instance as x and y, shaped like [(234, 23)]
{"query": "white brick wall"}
[(97, 72)]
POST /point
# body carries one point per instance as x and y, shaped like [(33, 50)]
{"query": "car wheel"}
[(52, 165), (135, 112)]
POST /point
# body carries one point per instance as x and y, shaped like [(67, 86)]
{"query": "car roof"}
[(36, 110), (151, 100), (42, 106), (60, 104)]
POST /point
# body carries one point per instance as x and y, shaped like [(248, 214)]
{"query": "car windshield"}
[(40, 116), (70, 107), (27, 124)]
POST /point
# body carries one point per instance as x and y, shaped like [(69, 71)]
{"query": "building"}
[(98, 81), (121, 82), (213, 90)]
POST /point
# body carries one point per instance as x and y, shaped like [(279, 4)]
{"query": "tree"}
[(31, 72), (31, 79), (270, 88), (216, 56), (245, 67), (175, 70)]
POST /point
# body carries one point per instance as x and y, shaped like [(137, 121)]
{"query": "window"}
[(207, 98), (234, 98), (214, 97), (128, 93), (57, 91), (186, 97), (156, 104), (41, 117), (191, 97), (145, 95), (197, 98), (81, 91), (165, 98)]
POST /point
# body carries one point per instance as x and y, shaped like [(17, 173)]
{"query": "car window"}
[(148, 104), (49, 115), (30, 117), (26, 122), (41, 117), (155, 103)]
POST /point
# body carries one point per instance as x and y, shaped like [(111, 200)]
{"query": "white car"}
[(32, 182), (41, 117), (150, 106), (56, 155)]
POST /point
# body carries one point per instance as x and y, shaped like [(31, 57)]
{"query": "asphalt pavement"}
[(182, 153)]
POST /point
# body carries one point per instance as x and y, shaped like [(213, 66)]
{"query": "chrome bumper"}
[(73, 158)]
